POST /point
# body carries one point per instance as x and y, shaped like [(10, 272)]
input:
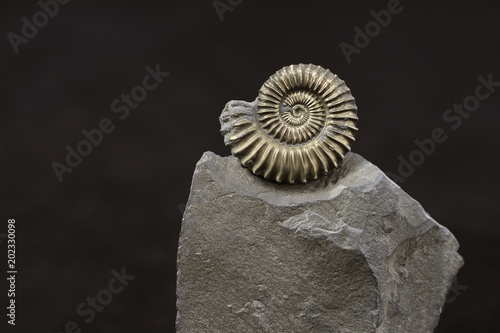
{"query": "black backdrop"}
[(121, 205)]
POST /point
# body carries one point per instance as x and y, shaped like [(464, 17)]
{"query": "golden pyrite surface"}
[(299, 128)]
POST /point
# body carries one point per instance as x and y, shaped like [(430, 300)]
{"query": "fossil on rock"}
[(299, 128)]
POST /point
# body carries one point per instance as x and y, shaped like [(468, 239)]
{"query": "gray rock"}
[(351, 252)]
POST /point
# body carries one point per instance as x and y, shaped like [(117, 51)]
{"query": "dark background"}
[(121, 207)]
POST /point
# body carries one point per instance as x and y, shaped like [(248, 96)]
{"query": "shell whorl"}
[(299, 128)]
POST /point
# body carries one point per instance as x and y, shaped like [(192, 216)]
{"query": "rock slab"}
[(351, 252)]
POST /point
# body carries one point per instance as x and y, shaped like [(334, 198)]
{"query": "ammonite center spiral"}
[(301, 126), (302, 114)]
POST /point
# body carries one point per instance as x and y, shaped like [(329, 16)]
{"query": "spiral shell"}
[(299, 128)]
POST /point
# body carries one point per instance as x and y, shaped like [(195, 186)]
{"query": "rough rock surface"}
[(351, 252)]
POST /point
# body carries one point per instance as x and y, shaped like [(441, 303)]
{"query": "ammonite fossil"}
[(299, 128)]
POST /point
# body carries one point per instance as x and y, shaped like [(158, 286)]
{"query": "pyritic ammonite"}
[(299, 128)]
